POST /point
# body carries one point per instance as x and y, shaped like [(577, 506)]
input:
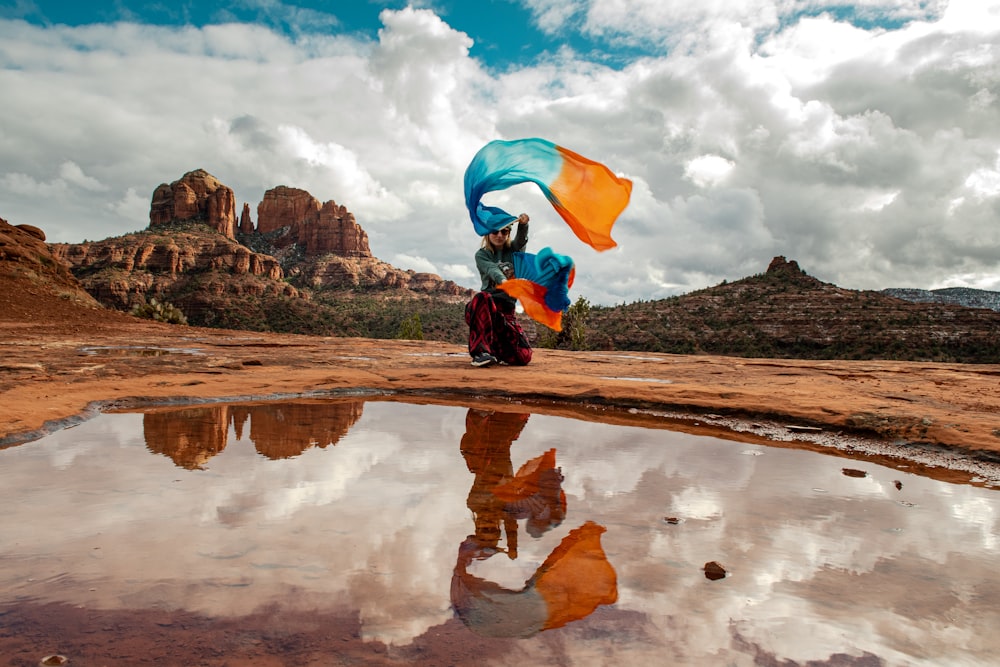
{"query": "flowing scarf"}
[(586, 194)]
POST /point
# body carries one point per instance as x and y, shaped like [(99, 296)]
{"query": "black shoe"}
[(483, 359)]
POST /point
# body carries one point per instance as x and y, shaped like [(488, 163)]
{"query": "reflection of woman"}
[(573, 580), (486, 448), (494, 333)]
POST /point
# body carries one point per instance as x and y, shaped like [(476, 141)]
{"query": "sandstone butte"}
[(64, 358)]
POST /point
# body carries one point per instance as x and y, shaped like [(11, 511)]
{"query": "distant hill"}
[(961, 296), (785, 313)]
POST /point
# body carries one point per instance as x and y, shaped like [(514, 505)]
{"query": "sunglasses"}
[(502, 232)]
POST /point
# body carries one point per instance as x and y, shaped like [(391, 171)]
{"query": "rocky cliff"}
[(246, 224), (127, 271), (195, 196), (290, 216), (286, 216), (32, 277), (266, 275)]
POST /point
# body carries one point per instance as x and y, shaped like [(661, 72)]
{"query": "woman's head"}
[(498, 239)]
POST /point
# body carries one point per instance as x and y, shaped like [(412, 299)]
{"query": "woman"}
[(494, 333)]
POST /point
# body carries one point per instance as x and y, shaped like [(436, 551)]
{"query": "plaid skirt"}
[(493, 328)]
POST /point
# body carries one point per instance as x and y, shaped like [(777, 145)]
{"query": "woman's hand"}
[(522, 219)]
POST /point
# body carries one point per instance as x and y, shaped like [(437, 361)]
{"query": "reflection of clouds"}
[(978, 512), (64, 449), (762, 518), (319, 479), (634, 451), (697, 503), (820, 562), (325, 521)]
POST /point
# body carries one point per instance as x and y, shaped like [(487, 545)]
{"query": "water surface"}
[(493, 536)]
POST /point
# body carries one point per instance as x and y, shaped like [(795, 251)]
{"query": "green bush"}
[(574, 329), (410, 328), (160, 312)]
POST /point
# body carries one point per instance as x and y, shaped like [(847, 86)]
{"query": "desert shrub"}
[(160, 312), (410, 328), (574, 329)]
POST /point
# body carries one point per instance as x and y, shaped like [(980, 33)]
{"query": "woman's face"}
[(498, 238)]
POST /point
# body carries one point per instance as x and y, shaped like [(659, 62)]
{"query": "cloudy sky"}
[(860, 138)]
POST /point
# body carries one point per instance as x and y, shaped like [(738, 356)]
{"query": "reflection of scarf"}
[(535, 493), (572, 582)]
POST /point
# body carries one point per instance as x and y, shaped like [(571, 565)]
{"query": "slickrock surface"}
[(60, 360)]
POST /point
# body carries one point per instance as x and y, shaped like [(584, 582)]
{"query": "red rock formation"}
[(32, 230), (780, 265), (196, 196), (284, 207), (125, 271), (175, 255), (290, 216), (246, 224), (334, 231), (337, 272), (319, 229)]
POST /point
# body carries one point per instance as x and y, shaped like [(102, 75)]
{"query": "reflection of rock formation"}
[(285, 430), (576, 577), (191, 436)]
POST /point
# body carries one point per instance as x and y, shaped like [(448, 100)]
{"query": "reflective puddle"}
[(136, 351), (328, 532)]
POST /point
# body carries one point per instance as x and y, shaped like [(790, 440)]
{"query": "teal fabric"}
[(501, 164)]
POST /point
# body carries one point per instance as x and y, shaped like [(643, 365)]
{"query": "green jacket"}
[(488, 262)]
